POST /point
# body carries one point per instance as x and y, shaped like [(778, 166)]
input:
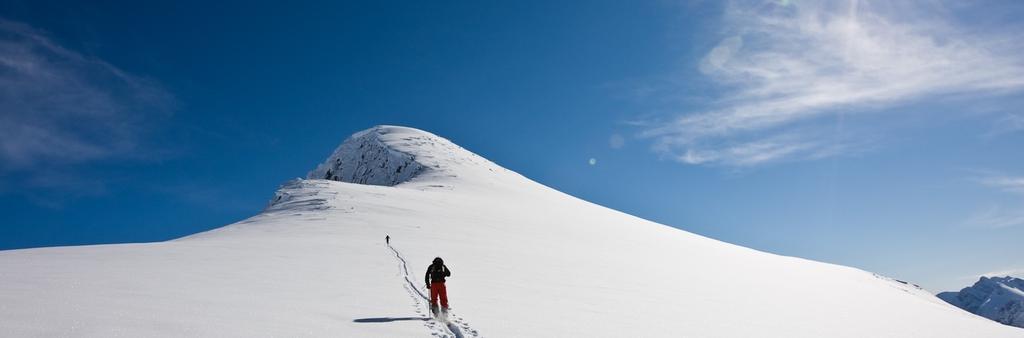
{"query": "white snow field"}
[(526, 261)]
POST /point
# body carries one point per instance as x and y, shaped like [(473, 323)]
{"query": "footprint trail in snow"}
[(456, 326)]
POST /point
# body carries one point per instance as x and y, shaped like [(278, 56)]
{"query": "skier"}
[(387, 239), (436, 273)]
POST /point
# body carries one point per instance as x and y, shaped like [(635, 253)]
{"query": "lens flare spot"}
[(592, 161)]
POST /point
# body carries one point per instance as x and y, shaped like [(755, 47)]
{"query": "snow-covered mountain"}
[(389, 155), (997, 298), (526, 261)]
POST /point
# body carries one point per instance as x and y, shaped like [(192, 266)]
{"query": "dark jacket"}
[(437, 273)]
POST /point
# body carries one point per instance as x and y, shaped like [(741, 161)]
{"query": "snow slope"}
[(997, 298), (526, 261)]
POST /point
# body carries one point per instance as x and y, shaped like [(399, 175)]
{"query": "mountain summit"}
[(391, 155), (997, 298), (525, 260)]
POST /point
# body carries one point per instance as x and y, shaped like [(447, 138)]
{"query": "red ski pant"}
[(437, 289)]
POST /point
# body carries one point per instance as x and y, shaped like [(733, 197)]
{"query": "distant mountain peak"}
[(998, 298), (392, 155)]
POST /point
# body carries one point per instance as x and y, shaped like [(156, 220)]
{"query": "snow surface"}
[(389, 155), (526, 261), (997, 298)]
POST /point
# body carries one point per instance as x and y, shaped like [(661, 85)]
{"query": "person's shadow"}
[(387, 319)]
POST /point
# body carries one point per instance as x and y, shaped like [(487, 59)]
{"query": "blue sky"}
[(882, 136)]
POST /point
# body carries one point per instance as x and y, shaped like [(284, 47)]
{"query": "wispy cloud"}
[(61, 107), (1012, 272), (782, 68), (1006, 272), (1009, 123), (1007, 183), (616, 141), (742, 153), (996, 217)]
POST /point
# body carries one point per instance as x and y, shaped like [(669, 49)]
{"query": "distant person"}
[(387, 239), (436, 273)]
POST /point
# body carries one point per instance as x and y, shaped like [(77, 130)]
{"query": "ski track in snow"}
[(456, 327)]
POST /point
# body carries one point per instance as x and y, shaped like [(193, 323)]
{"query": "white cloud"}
[(1005, 183), (996, 217), (749, 153), (720, 55), (62, 107), (1019, 273), (782, 67), (616, 141), (1009, 123), (1012, 272)]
